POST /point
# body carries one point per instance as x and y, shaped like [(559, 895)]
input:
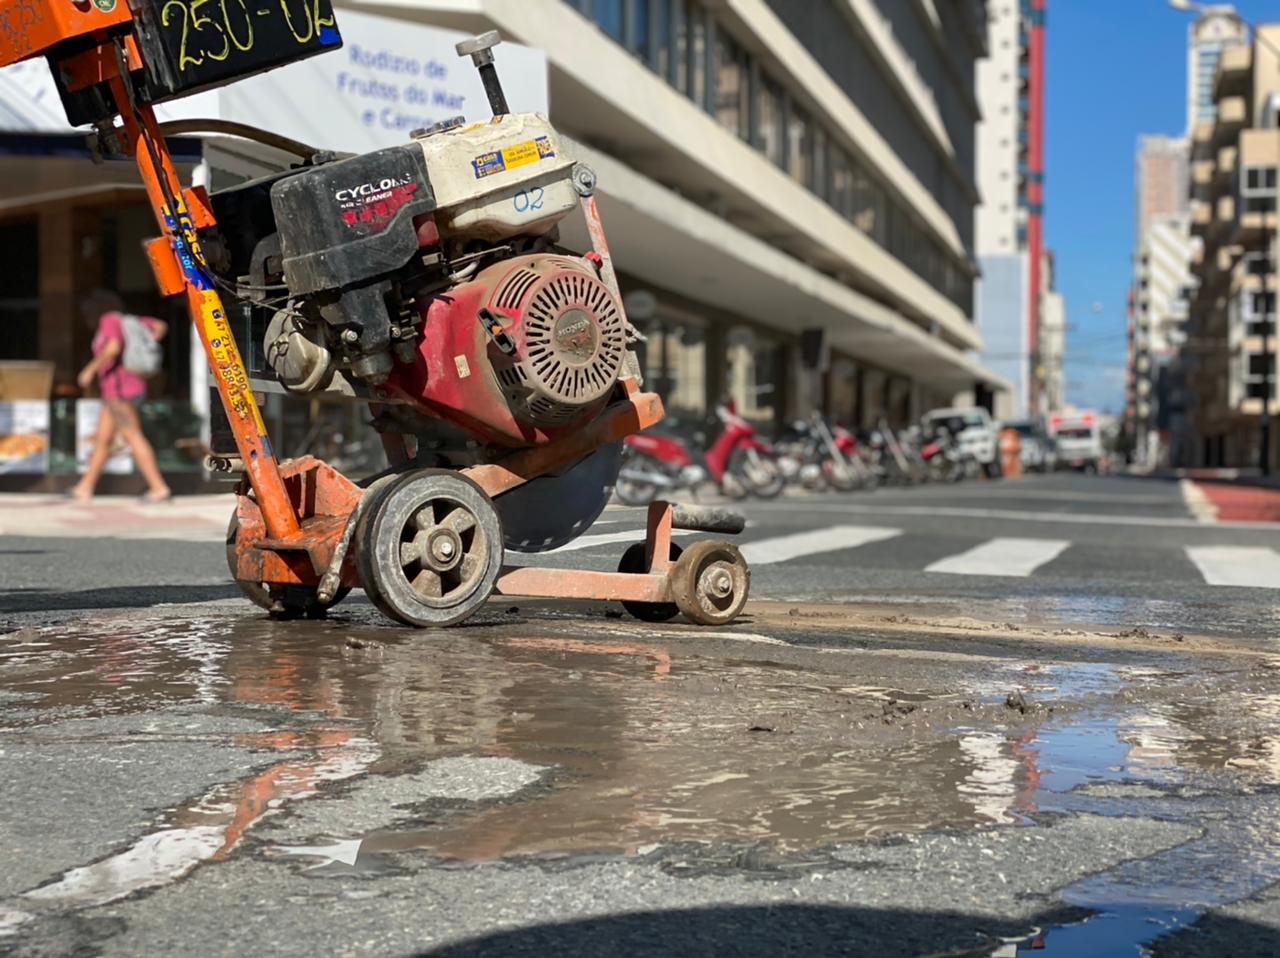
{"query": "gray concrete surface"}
[(946, 768)]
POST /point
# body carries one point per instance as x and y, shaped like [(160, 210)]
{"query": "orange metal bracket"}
[(142, 138)]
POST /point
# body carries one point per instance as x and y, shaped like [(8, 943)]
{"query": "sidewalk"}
[(1235, 500), (190, 518)]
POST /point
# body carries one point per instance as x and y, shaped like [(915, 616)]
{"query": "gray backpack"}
[(142, 354)]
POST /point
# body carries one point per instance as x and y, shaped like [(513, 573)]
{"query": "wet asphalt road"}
[(962, 767)]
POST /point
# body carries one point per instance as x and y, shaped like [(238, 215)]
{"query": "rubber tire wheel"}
[(738, 466), (282, 602), (632, 563), (378, 546), (686, 578), (849, 483)]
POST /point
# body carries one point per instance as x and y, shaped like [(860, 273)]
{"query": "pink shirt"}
[(114, 381)]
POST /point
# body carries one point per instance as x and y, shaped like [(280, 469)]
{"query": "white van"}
[(1078, 440), (974, 434)]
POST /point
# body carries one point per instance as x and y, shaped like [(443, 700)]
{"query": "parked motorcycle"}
[(818, 455), (738, 462)]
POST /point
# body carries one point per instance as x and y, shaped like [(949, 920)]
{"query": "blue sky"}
[(1116, 69)]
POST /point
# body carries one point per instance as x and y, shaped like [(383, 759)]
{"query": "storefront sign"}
[(24, 436), (389, 79)]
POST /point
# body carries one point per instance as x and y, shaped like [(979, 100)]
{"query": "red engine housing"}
[(565, 340)]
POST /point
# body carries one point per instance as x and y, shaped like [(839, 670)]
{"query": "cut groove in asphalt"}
[(1237, 565), (835, 539), (1012, 557)]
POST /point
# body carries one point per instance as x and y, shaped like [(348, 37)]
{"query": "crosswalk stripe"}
[(602, 539), (834, 539), (1237, 565), (1011, 557)]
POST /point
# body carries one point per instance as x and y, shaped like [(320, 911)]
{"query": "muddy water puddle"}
[(640, 739)]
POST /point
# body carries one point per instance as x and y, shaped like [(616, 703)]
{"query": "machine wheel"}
[(760, 474), (429, 548), (711, 582), (280, 601), (633, 563)]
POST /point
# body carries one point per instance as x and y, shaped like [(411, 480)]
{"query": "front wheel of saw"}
[(633, 563), (429, 549), (710, 582), (280, 601)]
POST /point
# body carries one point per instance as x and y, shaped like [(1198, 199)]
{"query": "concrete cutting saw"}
[(425, 280)]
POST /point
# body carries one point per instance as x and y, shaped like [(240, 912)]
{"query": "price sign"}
[(192, 45)]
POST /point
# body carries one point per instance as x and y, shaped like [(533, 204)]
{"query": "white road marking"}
[(833, 539), (1237, 565), (1198, 504), (601, 539), (1014, 558), (830, 507)]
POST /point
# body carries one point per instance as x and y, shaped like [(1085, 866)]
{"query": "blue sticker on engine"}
[(488, 163)]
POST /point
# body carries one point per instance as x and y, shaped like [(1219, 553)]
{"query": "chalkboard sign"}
[(192, 45)]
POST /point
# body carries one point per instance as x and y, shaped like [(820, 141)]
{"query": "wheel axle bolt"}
[(721, 584), (445, 548)]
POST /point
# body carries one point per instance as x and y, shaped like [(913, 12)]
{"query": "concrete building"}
[(1161, 284), (1235, 171), (1052, 372), (768, 166), (1215, 29), (1010, 179)]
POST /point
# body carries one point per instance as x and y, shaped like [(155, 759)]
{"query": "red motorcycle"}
[(738, 462)]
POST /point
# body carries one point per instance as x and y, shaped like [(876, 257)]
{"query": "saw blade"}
[(550, 511)]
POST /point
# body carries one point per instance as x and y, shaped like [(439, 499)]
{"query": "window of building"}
[(608, 14), (678, 47), (697, 87), (1258, 189), (732, 92), (799, 145), (770, 132)]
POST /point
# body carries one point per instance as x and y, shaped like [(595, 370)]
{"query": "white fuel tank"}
[(507, 177)]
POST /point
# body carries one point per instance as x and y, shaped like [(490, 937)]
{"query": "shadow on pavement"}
[(120, 597), (749, 931)]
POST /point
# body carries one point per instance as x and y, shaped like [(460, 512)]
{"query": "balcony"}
[(1232, 78), (1233, 114), (1202, 141), (1202, 173), (1201, 215), (1225, 171)]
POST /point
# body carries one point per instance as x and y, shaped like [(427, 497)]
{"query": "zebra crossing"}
[(1008, 557)]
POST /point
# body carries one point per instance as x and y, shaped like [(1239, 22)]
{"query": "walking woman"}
[(122, 392)]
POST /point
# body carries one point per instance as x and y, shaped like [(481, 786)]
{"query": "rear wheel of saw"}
[(633, 563), (430, 548), (710, 582), (281, 601)]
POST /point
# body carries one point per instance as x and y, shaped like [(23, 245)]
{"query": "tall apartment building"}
[(1235, 181), (771, 166), (1155, 413), (1215, 29), (1009, 233)]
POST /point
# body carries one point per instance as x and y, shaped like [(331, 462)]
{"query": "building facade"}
[(1156, 412), (1009, 231), (1214, 30), (772, 166), (1231, 329)]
